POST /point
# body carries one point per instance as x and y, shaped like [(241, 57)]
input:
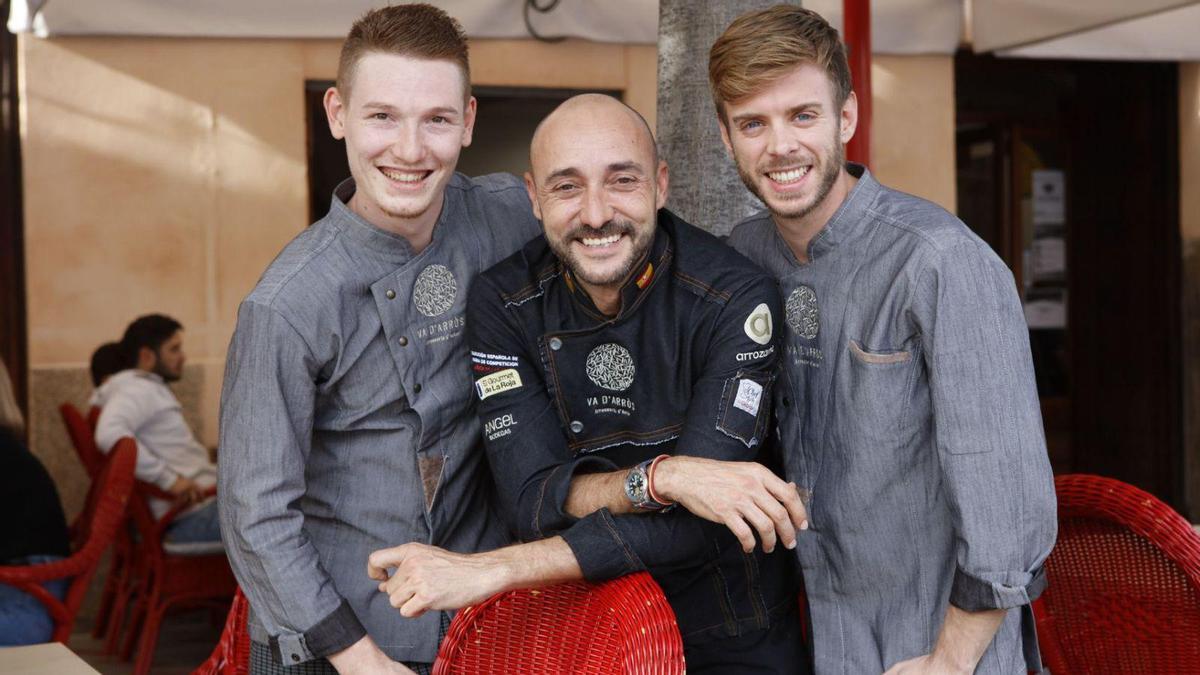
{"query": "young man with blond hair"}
[(347, 418), (907, 407)]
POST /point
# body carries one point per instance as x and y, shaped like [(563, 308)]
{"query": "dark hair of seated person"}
[(108, 359)]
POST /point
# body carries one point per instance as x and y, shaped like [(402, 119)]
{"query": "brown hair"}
[(760, 47), (417, 30)]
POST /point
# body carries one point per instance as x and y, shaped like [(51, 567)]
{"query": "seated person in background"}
[(137, 402), (108, 360), (33, 529), (615, 359)]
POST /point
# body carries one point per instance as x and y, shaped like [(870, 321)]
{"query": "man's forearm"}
[(965, 636), (594, 491)]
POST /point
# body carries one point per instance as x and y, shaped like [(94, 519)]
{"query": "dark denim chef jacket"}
[(685, 367)]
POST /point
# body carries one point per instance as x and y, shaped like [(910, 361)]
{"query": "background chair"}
[(103, 514), (1124, 583), (166, 578), (118, 584), (621, 626)]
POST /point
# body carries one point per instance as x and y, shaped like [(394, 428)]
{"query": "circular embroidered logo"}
[(435, 290), (610, 366), (802, 313)]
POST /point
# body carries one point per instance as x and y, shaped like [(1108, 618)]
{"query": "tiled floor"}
[(185, 641)]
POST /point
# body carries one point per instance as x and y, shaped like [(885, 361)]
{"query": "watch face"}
[(635, 486)]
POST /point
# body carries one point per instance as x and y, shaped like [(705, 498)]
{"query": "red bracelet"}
[(650, 481)]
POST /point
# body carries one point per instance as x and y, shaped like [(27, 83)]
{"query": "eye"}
[(439, 119), (565, 188), (805, 117), (750, 125), (381, 116)]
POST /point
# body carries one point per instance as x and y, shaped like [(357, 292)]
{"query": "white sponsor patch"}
[(759, 326), (490, 385), (498, 360), (749, 395)]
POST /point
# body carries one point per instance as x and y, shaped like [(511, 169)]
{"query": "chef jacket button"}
[(296, 657), (787, 402), (391, 295), (403, 341), (555, 344), (576, 426), (417, 388)]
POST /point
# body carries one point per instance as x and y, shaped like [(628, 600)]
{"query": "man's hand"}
[(365, 657), (428, 577), (962, 641), (740, 495), (186, 490)]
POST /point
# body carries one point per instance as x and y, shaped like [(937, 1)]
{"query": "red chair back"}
[(82, 434), (104, 512), (621, 626), (1124, 583)]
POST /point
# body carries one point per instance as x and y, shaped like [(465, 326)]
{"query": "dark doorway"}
[(13, 347), (1069, 169), (504, 125)]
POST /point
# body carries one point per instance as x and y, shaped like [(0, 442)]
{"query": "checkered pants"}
[(262, 663)]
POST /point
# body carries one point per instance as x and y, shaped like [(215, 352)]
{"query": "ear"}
[(849, 118), (335, 113), (663, 179), (532, 191), (725, 135), (469, 121), (146, 358)]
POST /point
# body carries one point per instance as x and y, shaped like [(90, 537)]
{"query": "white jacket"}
[(139, 404)]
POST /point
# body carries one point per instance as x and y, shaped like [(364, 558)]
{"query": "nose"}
[(596, 209), (408, 146), (781, 143)]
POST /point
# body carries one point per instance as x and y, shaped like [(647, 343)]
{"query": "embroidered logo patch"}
[(490, 385), (802, 313), (499, 427), (759, 326), (610, 366), (749, 395), (435, 290)]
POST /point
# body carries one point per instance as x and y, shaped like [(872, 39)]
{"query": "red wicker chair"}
[(104, 513), (1124, 583), (621, 626), (232, 653), (166, 580)]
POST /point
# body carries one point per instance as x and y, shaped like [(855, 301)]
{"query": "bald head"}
[(588, 113)]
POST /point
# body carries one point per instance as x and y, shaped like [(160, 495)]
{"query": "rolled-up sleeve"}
[(267, 405), (534, 468), (988, 427)]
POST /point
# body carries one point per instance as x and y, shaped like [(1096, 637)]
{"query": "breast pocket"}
[(878, 388)]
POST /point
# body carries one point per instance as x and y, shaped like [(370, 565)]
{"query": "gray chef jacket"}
[(347, 419), (910, 420)]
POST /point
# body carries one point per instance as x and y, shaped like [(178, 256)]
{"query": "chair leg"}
[(112, 583), (138, 615), (149, 641)]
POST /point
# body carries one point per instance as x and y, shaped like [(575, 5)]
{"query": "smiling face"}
[(787, 141), (596, 185), (405, 123)]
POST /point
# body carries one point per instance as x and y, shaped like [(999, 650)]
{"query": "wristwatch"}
[(637, 488)]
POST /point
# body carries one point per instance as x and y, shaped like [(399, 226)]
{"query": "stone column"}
[(705, 188)]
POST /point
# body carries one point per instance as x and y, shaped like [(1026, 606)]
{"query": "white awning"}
[(1090, 29)]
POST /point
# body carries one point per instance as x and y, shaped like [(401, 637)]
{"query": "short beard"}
[(562, 249), (162, 372), (826, 180)]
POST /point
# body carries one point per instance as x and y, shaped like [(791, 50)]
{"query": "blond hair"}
[(762, 46), (417, 30)]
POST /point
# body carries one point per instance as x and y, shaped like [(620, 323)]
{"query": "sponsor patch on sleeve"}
[(496, 383), (749, 396), (759, 326)]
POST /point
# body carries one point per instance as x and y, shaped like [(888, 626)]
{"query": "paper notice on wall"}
[(1049, 258), (1049, 197), (1046, 312)]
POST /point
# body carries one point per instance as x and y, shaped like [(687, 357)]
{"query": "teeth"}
[(789, 176), (601, 242), (403, 177)]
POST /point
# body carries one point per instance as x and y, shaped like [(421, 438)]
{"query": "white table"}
[(52, 657)]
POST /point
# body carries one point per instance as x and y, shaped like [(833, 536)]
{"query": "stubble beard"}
[(562, 249), (827, 178)]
